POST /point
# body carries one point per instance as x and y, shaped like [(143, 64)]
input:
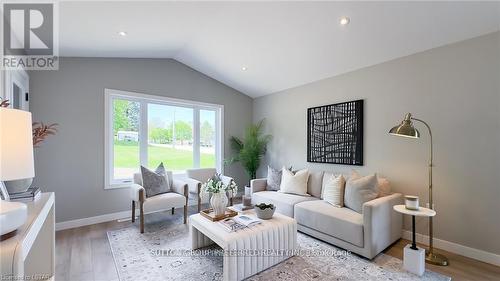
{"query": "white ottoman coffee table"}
[(251, 250)]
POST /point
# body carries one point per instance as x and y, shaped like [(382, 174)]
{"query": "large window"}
[(147, 130)]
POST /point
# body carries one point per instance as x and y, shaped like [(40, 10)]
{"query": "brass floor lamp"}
[(406, 129)]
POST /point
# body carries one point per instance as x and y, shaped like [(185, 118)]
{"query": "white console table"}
[(30, 253)]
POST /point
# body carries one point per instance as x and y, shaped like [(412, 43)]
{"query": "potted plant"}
[(249, 151), (217, 189), (264, 211)]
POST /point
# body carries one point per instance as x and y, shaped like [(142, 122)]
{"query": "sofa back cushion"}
[(359, 190), (315, 183), (294, 183)]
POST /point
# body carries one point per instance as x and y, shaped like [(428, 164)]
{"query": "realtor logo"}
[(29, 36)]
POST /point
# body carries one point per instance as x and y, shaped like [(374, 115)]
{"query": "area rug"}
[(136, 258)]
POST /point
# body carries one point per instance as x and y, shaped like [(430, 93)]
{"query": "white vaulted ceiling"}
[(282, 44)]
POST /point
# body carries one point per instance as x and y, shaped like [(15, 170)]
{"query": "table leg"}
[(413, 244)]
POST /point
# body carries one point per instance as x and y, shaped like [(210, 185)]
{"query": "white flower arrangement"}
[(215, 185)]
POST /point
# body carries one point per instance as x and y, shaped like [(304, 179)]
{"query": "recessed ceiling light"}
[(122, 33), (344, 20), (244, 68)]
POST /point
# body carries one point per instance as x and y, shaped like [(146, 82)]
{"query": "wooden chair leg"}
[(185, 213), (142, 216), (173, 211), (199, 199), (133, 211)]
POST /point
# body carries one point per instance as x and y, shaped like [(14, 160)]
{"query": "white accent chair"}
[(177, 198), (196, 177)]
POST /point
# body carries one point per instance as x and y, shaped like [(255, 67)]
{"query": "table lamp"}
[(16, 162), (406, 129)]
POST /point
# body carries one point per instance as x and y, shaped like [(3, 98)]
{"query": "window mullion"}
[(196, 137), (143, 133)]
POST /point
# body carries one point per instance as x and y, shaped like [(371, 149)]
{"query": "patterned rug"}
[(136, 258)]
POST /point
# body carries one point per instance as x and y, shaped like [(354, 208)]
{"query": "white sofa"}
[(365, 234)]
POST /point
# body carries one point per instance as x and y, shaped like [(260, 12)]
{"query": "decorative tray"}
[(209, 214)]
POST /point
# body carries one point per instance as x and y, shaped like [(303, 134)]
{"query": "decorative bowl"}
[(266, 213)]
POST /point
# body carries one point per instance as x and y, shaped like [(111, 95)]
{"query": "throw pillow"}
[(155, 182), (294, 183), (359, 190), (273, 179), (333, 192), (384, 187)]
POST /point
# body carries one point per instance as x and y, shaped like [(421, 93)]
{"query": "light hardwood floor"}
[(84, 254)]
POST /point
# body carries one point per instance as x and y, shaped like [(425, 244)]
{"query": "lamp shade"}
[(405, 129), (16, 145)]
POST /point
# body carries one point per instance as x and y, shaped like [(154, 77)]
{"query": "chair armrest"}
[(382, 225), (135, 191), (257, 185), (194, 186), (180, 187), (226, 181)]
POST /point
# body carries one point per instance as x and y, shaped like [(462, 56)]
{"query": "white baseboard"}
[(92, 220), (455, 248)]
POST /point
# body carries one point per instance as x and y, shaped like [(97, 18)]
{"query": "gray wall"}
[(456, 88), (72, 163)]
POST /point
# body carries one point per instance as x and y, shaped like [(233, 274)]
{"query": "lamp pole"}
[(431, 257)]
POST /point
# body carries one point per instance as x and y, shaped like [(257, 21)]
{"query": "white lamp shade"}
[(16, 145)]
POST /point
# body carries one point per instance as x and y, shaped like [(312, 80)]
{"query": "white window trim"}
[(144, 99)]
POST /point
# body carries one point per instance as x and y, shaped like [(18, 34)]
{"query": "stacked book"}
[(32, 194), (239, 222)]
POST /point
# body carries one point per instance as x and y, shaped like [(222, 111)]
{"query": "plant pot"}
[(18, 186), (265, 214), (219, 203)]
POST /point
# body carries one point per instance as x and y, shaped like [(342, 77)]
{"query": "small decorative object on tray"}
[(411, 202), (247, 200), (218, 189), (210, 214), (32, 194), (241, 207), (265, 211)]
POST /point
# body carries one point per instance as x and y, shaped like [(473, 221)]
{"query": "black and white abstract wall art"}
[(335, 133)]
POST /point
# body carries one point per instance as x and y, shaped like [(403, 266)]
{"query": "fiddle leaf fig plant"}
[(250, 150)]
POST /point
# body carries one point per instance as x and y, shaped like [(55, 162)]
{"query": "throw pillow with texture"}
[(273, 179), (333, 192), (384, 187), (294, 183), (359, 190), (155, 182)]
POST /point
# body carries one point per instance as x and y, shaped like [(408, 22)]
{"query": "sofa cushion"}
[(294, 183), (333, 190), (341, 223), (359, 191), (284, 202), (315, 183)]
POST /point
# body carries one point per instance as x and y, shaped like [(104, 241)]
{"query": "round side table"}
[(414, 258)]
